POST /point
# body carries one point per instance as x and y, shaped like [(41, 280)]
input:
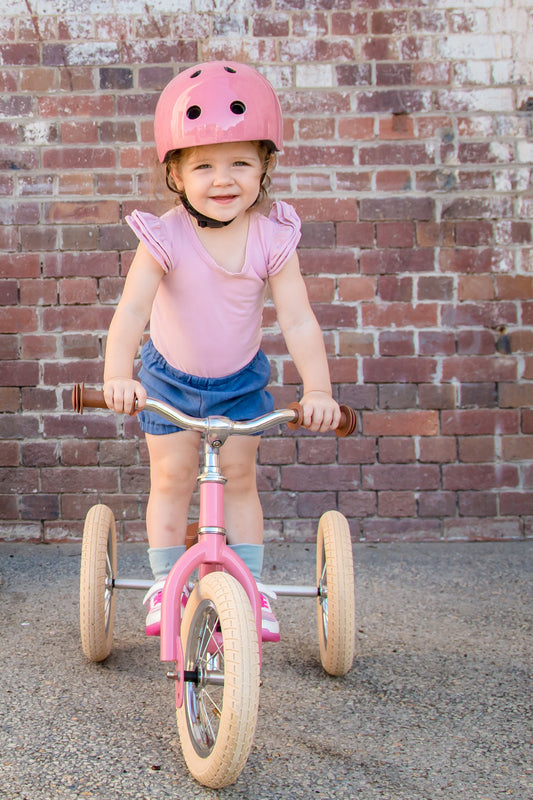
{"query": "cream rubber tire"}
[(97, 573), (217, 719), (336, 594)]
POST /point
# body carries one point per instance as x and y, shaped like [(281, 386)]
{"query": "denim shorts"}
[(239, 396)]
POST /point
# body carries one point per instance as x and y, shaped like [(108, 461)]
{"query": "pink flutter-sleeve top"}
[(206, 320)]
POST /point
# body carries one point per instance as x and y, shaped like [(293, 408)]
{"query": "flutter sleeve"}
[(151, 230), (287, 233)]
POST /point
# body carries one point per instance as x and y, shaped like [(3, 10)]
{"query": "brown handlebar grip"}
[(347, 425), (87, 398)]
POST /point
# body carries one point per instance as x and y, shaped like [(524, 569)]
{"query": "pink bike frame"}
[(210, 554)]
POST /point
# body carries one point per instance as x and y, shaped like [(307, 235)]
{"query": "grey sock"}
[(252, 555), (162, 559)]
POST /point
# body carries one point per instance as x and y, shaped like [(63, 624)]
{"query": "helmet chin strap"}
[(209, 222), (201, 219)]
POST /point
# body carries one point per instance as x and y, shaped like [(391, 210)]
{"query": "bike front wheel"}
[(97, 575), (217, 718), (336, 595)]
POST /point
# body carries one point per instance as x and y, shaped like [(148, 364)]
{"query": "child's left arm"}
[(305, 343)]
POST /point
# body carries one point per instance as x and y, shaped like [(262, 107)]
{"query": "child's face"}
[(221, 181)]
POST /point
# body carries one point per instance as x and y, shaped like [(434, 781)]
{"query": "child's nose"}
[(222, 175)]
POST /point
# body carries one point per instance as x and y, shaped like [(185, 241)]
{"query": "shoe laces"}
[(156, 587), (266, 591)]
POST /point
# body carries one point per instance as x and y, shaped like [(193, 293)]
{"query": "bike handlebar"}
[(292, 416)]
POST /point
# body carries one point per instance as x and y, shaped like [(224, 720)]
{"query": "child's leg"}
[(242, 509), (173, 473), (244, 516)]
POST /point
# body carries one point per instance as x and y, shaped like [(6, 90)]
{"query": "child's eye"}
[(242, 164)]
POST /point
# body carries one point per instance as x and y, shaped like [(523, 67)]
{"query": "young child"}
[(200, 275)]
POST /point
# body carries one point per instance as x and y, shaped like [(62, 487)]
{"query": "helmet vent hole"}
[(193, 112), (230, 69), (238, 107), (195, 74)]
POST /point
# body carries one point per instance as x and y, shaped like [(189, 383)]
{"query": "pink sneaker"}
[(270, 624), (153, 597)]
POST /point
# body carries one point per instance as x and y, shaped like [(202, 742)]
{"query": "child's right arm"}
[(122, 393)]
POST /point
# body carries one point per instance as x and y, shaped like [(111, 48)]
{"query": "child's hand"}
[(124, 395), (321, 412)]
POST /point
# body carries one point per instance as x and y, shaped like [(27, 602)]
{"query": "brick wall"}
[(408, 155)]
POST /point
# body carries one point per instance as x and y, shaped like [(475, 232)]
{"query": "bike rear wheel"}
[(217, 718), (97, 574), (336, 594)]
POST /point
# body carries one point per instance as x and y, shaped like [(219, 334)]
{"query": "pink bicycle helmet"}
[(219, 101)]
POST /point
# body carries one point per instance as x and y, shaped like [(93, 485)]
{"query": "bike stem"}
[(211, 482)]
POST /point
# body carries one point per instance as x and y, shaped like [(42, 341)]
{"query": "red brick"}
[(438, 450), (393, 180), (15, 320), (392, 288), (402, 530), (516, 503), (319, 478), (37, 399), (19, 54), (79, 453), (396, 504), (398, 126), (79, 132), (77, 319), (400, 477), (478, 477), (394, 261), (400, 423), (396, 450), (35, 347), (434, 234), (514, 287), (400, 315), (476, 449), (478, 504), (9, 347), (479, 368), (76, 212), (78, 291), (475, 287), (355, 234), (10, 454), (352, 344), (357, 504), (395, 234), (432, 343), (322, 450), (356, 128), (396, 343), (517, 448), (356, 288), (479, 422), (84, 265), (399, 369), (516, 395), (56, 106), (348, 23), (38, 292), (436, 504), (473, 234)]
